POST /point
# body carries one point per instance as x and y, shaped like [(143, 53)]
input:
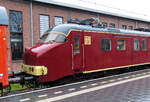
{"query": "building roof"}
[(99, 9)]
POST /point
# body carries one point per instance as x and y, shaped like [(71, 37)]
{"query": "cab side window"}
[(121, 45), (76, 44), (144, 44), (106, 44), (61, 38)]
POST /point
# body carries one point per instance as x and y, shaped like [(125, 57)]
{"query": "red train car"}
[(3, 49), (68, 49)]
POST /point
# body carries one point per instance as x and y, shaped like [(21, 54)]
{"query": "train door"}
[(123, 51), (77, 51)]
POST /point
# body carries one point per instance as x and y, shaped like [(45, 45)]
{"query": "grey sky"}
[(139, 7)]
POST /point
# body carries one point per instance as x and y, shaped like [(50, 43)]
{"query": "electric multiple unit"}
[(70, 49)]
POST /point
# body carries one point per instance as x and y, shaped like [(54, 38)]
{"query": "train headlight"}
[(1, 74), (31, 69)]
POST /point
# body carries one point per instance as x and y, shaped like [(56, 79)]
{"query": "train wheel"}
[(8, 89), (29, 84), (2, 93), (1, 88)]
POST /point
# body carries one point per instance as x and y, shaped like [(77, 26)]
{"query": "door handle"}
[(83, 55), (72, 56)]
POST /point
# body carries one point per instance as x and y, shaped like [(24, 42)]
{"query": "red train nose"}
[(29, 57)]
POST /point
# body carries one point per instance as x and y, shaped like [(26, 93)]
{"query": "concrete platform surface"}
[(131, 88)]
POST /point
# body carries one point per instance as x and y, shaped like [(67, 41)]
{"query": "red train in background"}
[(70, 49), (3, 49)]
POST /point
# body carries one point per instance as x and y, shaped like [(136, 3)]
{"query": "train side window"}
[(121, 45), (61, 38), (106, 44), (136, 44), (144, 44), (76, 45)]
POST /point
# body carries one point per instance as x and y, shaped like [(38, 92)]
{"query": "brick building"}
[(28, 19)]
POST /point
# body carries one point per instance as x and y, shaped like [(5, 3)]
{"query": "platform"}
[(127, 88)]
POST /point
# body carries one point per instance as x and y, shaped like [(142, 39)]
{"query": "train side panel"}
[(141, 56), (122, 56), (97, 60), (92, 53), (3, 57)]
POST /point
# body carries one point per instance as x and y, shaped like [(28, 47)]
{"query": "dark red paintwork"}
[(61, 61)]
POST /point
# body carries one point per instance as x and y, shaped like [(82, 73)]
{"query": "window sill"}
[(17, 61)]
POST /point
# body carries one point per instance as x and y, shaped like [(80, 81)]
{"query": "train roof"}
[(3, 17), (65, 28)]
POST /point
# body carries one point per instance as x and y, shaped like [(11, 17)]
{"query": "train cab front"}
[(39, 59)]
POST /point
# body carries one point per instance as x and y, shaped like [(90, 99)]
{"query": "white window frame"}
[(44, 24), (58, 20), (136, 45)]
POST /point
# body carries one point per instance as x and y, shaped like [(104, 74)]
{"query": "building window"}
[(124, 26), (130, 27), (144, 44), (44, 24), (58, 20), (16, 34), (136, 44), (112, 25), (104, 24), (106, 44), (121, 44)]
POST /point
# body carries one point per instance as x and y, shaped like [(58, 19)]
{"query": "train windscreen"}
[(52, 37)]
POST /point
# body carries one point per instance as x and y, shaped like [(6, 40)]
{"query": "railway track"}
[(124, 73)]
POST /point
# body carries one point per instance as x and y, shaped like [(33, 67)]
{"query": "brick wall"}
[(143, 24), (126, 22), (109, 19)]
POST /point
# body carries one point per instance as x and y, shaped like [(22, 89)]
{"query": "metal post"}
[(83, 56), (31, 23), (136, 24), (118, 23), (72, 57)]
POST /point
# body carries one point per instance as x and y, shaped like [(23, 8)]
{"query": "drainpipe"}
[(31, 24), (119, 23), (136, 24), (98, 16)]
